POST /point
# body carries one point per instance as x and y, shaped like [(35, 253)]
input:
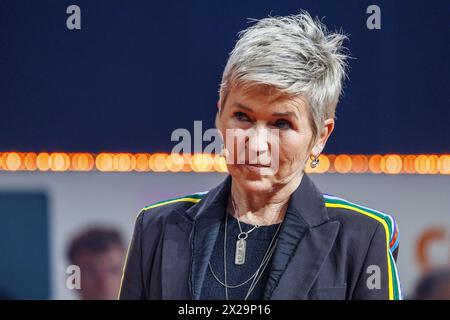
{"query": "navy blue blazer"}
[(328, 248)]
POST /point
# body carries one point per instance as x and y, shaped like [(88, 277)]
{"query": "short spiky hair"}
[(295, 54)]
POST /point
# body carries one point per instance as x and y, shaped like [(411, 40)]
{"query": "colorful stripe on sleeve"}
[(392, 238)]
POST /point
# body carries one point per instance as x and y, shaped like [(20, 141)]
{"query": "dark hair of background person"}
[(95, 240)]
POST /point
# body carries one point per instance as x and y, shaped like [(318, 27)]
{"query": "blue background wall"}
[(24, 245), (137, 70)]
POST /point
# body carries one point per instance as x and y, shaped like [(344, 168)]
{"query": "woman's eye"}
[(241, 116), (283, 124)]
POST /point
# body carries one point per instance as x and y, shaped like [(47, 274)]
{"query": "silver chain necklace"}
[(259, 271), (265, 259), (241, 243)]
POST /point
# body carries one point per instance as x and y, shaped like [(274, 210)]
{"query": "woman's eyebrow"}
[(285, 114), (276, 114), (241, 106)]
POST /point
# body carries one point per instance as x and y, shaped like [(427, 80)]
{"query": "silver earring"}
[(314, 161)]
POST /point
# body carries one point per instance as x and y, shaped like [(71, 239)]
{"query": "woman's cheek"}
[(285, 159), (292, 161)]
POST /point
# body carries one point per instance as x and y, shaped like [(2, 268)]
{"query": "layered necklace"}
[(240, 253)]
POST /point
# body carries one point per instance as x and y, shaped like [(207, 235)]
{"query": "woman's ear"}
[(216, 122), (217, 114), (327, 129)]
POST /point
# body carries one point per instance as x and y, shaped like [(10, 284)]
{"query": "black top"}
[(257, 244)]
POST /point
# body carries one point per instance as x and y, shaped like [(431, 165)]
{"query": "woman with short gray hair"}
[(267, 232)]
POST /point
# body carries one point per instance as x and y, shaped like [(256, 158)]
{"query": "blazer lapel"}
[(176, 256), (188, 243), (306, 263), (305, 241), (208, 216)]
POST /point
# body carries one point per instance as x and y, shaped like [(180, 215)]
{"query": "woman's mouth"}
[(257, 168)]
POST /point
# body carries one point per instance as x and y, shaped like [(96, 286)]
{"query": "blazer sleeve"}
[(132, 284), (378, 279)]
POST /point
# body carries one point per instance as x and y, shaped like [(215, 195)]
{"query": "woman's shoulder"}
[(359, 217), (170, 207)]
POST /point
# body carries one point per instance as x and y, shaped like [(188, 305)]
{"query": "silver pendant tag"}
[(239, 257)]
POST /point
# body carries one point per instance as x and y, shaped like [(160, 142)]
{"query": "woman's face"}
[(264, 127)]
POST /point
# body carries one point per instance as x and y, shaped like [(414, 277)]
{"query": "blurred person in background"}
[(100, 254), (435, 285)]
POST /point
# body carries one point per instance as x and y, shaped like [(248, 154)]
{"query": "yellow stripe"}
[(173, 201), (390, 284), (146, 208)]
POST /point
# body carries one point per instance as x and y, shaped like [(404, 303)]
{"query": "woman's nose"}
[(259, 141)]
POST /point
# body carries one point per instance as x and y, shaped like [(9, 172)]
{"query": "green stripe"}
[(394, 278), (395, 284), (190, 196), (380, 215)]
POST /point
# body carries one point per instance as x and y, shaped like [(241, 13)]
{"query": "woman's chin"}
[(256, 186), (252, 181)]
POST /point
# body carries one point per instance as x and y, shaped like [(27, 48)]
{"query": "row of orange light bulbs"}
[(163, 162)]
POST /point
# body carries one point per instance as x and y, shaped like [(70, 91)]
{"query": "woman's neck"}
[(262, 208)]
